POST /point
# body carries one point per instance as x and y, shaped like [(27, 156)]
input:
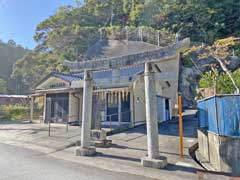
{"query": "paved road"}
[(23, 164)]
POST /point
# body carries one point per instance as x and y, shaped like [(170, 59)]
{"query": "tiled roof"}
[(130, 71), (66, 77)]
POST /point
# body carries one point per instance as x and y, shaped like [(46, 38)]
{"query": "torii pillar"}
[(86, 149), (153, 158)]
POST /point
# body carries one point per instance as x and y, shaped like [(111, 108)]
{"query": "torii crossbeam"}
[(148, 58), (160, 54)]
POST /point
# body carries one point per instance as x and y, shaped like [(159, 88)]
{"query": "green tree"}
[(203, 21), (220, 81), (72, 30), (10, 52), (3, 86)]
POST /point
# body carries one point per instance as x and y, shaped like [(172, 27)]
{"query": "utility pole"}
[(180, 125)]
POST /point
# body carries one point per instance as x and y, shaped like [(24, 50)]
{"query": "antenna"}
[(112, 16), (101, 34), (126, 28)]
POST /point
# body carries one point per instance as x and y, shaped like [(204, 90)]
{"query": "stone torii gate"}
[(148, 58)]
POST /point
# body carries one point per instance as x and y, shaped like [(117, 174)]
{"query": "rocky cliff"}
[(195, 62)]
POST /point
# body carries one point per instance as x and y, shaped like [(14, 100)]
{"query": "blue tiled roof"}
[(66, 77), (130, 71)]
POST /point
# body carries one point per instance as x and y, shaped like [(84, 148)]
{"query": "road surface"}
[(23, 164)]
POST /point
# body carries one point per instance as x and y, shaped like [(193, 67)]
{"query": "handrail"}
[(111, 115), (117, 113)]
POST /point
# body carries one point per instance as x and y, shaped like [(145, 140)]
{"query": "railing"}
[(64, 120), (144, 34), (109, 118)]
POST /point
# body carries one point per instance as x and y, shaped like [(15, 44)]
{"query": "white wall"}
[(161, 109), (139, 99), (171, 92), (73, 108)]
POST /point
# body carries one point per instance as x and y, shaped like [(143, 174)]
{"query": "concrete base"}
[(98, 135), (159, 163), (78, 143), (80, 151), (103, 144)]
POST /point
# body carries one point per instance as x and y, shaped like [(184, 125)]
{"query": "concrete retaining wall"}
[(203, 144), (222, 152)]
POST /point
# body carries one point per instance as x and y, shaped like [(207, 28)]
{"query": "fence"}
[(144, 34), (220, 114), (57, 113)]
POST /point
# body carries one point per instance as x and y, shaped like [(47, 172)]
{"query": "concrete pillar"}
[(119, 108), (158, 38), (105, 107), (151, 112), (44, 107), (153, 159), (86, 149), (132, 107), (31, 109), (96, 113), (80, 108), (87, 110), (69, 107)]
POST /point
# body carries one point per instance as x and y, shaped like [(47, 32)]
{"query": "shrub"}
[(15, 112), (223, 83), (187, 55)]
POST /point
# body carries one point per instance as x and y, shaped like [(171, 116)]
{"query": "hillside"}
[(72, 30), (9, 53)]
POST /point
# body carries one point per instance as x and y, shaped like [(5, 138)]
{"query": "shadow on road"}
[(171, 128)]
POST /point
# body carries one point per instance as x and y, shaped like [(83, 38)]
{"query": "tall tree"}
[(3, 86), (72, 30), (10, 52)]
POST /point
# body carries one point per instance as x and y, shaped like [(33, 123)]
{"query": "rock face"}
[(233, 62), (188, 83), (190, 75)]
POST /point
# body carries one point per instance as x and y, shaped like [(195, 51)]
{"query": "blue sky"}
[(19, 18)]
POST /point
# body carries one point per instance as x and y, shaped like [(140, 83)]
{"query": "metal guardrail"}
[(144, 34), (110, 117), (65, 120)]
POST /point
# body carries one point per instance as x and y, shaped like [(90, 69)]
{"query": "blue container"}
[(220, 114)]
